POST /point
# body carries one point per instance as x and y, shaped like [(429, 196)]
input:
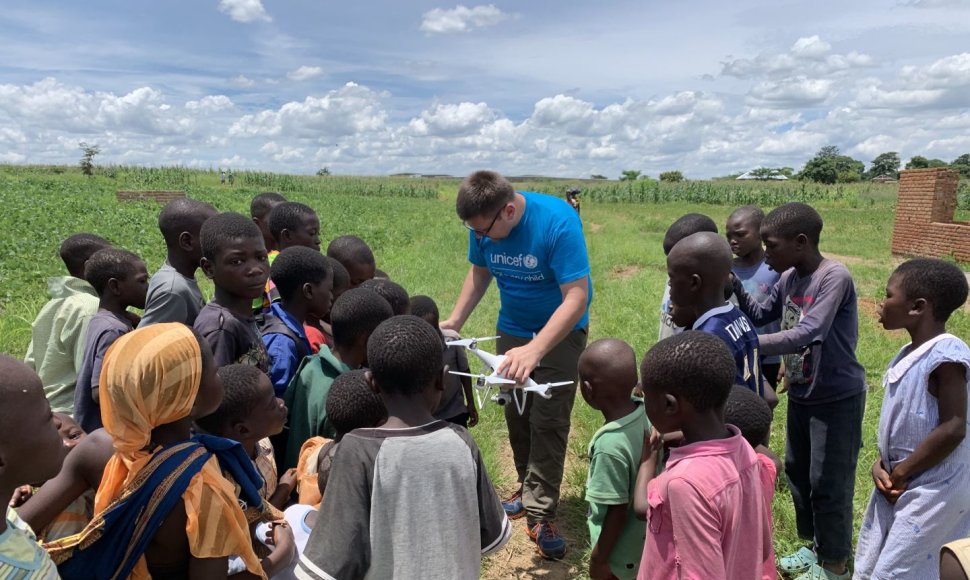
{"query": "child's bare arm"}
[(949, 381), (81, 471), (466, 386), (599, 560), (652, 447), (284, 489)]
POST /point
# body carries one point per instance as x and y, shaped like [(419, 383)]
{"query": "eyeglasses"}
[(482, 234)]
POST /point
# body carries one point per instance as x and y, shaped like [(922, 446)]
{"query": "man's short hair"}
[(687, 225), (394, 293), (222, 229), (263, 203), (182, 215), (356, 313), (289, 215), (940, 283), (352, 404), (747, 411), (404, 354), (107, 264), (791, 219), (297, 266), (483, 193), (78, 249), (694, 365), (241, 382), (350, 250)]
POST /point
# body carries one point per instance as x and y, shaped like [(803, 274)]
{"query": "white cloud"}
[(304, 73), (796, 142), (244, 11), (458, 119), (461, 18), (950, 71), (938, 3), (242, 81), (808, 55), (349, 110), (792, 92)]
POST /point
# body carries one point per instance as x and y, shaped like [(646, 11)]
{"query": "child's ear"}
[(671, 404), (308, 291), (369, 377), (186, 241), (696, 281), (801, 240), (207, 267), (241, 430), (113, 284), (920, 305), (285, 235)]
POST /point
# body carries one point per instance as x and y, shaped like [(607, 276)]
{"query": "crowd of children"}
[(294, 425)]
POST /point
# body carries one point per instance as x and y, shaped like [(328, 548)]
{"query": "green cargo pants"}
[(539, 435)]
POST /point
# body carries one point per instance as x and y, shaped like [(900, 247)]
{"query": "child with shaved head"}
[(699, 267), (31, 452), (608, 373), (173, 292)]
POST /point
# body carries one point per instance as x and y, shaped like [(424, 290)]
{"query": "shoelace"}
[(548, 530)]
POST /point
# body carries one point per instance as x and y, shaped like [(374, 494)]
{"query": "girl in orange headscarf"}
[(163, 508)]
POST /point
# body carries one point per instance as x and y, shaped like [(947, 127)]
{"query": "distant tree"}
[(87, 157), (672, 176), (597, 176), (787, 171), (830, 166), (885, 164), (630, 175), (920, 162), (644, 177), (764, 173), (962, 164), (323, 172)]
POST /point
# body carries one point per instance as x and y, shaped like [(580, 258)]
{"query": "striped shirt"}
[(21, 557)]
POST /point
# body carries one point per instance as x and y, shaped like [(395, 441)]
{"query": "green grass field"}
[(421, 244)]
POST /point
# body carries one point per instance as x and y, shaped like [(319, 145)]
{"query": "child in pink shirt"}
[(709, 512)]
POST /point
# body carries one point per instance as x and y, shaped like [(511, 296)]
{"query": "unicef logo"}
[(530, 261)]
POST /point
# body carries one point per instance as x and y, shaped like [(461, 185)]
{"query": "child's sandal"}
[(798, 562)]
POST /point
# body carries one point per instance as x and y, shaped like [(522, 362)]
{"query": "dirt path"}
[(518, 558)]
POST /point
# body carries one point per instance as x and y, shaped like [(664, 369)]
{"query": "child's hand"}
[(289, 479), (21, 495), (884, 482), (472, 415)]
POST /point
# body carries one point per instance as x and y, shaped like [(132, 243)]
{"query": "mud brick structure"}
[(924, 216), (159, 196)]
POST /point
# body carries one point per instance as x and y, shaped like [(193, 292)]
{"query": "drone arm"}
[(472, 291)]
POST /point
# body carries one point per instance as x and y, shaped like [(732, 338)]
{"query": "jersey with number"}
[(738, 332)]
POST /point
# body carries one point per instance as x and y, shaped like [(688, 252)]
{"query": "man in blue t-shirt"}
[(699, 267), (534, 248)]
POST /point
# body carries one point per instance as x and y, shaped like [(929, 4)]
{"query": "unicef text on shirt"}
[(522, 260)]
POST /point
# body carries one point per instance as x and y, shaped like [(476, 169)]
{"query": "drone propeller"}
[(488, 379), (560, 384), (469, 342)]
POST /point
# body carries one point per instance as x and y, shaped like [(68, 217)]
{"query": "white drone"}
[(508, 389)]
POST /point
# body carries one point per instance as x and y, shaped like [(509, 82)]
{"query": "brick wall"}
[(159, 196), (924, 216)]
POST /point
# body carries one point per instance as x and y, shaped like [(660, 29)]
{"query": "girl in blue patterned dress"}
[(922, 476)]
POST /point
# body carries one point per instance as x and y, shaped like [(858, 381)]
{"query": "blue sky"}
[(561, 88)]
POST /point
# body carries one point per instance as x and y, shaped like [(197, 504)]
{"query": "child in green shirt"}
[(608, 374)]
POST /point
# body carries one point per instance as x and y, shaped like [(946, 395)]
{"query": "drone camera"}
[(502, 399)]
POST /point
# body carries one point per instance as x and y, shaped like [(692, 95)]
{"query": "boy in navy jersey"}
[(699, 267)]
